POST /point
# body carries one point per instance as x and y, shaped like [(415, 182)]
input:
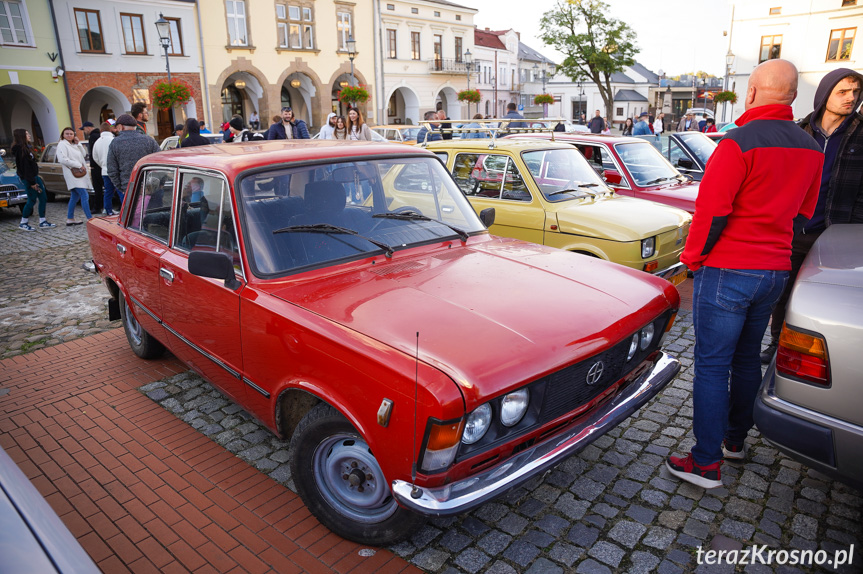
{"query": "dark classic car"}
[(810, 405), (348, 296), (633, 167), (687, 151), (12, 190)]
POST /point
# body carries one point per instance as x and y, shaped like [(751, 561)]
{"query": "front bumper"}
[(12, 198), (469, 493), (676, 274)]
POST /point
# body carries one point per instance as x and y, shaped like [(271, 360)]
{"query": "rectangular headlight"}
[(648, 247)]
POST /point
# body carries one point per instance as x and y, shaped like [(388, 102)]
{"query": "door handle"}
[(167, 275), (121, 249)]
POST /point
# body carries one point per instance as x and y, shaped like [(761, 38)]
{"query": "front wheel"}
[(340, 481), (143, 343)]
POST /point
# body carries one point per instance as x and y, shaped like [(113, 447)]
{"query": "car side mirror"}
[(685, 163), (214, 264), (487, 216)]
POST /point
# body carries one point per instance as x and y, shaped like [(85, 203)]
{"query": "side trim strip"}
[(171, 330), (256, 387)]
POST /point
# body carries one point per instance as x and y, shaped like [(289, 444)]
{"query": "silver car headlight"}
[(647, 336), (648, 247), (476, 425), (513, 406), (633, 347)]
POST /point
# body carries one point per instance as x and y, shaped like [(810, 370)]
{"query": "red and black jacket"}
[(762, 177)]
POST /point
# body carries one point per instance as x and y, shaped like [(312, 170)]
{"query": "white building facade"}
[(817, 36), (422, 50), (496, 62)]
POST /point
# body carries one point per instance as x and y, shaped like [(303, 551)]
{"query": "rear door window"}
[(151, 204)]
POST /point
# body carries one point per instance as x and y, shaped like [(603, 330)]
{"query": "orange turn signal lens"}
[(651, 267), (803, 356), (443, 436), (671, 321)]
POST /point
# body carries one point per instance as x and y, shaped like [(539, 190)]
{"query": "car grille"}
[(6, 188), (568, 389)]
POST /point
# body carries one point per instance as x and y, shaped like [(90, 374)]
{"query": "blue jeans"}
[(110, 190), (731, 309), (33, 198), (78, 194)]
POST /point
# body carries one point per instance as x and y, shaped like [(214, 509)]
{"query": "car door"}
[(141, 243), (495, 180), (51, 171), (200, 314), (681, 159)]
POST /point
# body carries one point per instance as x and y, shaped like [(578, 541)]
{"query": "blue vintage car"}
[(11, 187)]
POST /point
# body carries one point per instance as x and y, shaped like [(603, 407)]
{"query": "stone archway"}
[(403, 104), (19, 105), (448, 100), (260, 93), (309, 92), (102, 102), (343, 74)]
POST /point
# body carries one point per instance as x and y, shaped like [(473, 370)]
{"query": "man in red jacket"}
[(760, 183)]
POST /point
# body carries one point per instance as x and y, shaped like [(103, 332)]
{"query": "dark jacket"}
[(194, 140), (25, 164), (760, 178), (124, 152), (277, 131), (596, 125), (840, 199), (433, 135), (91, 141), (515, 116)]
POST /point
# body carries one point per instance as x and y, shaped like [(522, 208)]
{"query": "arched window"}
[(286, 98)]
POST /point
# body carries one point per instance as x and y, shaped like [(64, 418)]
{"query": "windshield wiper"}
[(659, 180), (414, 216), (335, 230), (577, 188)]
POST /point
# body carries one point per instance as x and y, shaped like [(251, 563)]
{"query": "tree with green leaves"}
[(595, 45)]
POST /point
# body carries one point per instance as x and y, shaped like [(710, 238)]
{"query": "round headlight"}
[(633, 347), (476, 425), (513, 406), (646, 336)]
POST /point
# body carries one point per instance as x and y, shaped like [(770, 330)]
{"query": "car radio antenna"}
[(415, 492)]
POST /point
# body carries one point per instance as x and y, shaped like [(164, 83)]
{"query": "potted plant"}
[(543, 99), (469, 96), (167, 93), (353, 95), (725, 96)]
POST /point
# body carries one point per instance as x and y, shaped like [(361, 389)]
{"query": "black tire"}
[(353, 506), (143, 343)]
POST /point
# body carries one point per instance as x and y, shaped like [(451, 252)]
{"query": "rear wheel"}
[(143, 343), (340, 481)]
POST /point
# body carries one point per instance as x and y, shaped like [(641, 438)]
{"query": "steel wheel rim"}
[(350, 480), (132, 325)]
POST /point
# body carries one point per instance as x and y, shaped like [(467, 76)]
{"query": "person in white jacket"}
[(100, 156), (70, 156), (329, 128)]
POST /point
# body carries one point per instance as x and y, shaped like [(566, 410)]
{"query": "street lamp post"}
[(352, 53), (163, 27), (704, 89), (468, 64), (729, 61)]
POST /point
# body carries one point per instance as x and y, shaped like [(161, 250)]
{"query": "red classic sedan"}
[(632, 166), (348, 296)]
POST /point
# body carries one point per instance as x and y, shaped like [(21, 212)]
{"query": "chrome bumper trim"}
[(471, 492), (670, 271)]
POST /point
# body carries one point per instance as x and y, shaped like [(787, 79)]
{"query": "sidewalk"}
[(143, 491)]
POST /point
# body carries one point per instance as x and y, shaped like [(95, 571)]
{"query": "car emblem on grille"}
[(595, 373)]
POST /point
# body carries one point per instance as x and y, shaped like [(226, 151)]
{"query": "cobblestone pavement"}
[(612, 508)]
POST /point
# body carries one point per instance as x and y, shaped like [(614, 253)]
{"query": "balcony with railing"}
[(448, 66)]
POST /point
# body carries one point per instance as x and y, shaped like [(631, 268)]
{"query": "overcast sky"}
[(676, 36)]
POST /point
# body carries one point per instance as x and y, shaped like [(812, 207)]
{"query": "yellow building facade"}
[(261, 55)]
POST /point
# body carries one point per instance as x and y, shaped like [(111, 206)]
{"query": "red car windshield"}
[(645, 164)]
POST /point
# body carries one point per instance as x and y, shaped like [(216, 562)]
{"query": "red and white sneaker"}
[(687, 469), (733, 451)]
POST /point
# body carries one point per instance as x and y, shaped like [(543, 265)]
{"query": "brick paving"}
[(139, 460)]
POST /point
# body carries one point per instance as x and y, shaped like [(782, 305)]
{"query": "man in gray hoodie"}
[(126, 149), (329, 128)]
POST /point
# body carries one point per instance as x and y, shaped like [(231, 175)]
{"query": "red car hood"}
[(492, 315)]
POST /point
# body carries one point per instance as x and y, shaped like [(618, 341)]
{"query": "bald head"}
[(772, 82)]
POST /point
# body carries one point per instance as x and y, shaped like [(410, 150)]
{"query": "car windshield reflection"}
[(310, 216), (645, 164), (563, 174)]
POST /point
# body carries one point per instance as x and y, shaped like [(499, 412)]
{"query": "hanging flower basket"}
[(165, 94), (354, 95), (469, 96), (543, 99), (726, 96)]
